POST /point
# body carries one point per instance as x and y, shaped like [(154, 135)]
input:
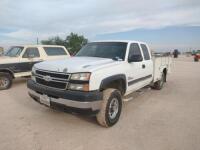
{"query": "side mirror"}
[(135, 58)]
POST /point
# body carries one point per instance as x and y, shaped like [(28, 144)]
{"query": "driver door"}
[(30, 56)]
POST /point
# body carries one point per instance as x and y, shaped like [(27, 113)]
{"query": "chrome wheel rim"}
[(4, 82), (113, 108)]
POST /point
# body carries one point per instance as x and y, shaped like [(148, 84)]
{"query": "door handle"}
[(143, 66)]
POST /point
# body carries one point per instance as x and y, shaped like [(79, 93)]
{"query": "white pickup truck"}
[(97, 79), (19, 60)]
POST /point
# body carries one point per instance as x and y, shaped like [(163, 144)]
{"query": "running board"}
[(135, 94)]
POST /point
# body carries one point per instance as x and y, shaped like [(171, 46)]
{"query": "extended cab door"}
[(30, 56), (147, 64), (135, 70)]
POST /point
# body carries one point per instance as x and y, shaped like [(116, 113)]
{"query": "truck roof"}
[(40, 45), (125, 41)]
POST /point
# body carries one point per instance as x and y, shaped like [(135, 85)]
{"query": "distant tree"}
[(75, 42)]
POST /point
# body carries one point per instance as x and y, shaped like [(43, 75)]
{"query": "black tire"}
[(104, 117), (159, 84), (196, 59), (5, 81)]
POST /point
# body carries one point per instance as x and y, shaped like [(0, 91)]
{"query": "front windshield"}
[(14, 51), (113, 50)]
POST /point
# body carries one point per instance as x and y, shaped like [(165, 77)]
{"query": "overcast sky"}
[(22, 21)]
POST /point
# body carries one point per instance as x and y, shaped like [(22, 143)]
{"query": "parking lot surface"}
[(154, 120)]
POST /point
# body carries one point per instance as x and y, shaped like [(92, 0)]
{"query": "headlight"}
[(81, 76), (33, 71), (81, 82), (33, 74), (78, 87)]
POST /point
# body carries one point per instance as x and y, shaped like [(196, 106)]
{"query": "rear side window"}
[(145, 52), (55, 51), (31, 52), (134, 51)]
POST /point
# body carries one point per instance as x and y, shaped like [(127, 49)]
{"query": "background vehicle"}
[(197, 55), (176, 53), (19, 60), (98, 78)]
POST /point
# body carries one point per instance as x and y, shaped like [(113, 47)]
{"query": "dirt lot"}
[(155, 120)]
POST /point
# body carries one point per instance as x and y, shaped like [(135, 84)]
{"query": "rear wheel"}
[(159, 84), (111, 108), (5, 81), (196, 59)]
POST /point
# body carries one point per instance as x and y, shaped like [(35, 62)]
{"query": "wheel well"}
[(7, 71), (118, 84), (165, 73)]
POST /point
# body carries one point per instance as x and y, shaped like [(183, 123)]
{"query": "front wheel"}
[(111, 108), (5, 81)]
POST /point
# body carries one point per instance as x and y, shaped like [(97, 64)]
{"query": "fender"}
[(110, 79), (7, 71)]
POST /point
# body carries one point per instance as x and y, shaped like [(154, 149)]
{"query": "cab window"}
[(54, 51), (145, 52), (31, 52)]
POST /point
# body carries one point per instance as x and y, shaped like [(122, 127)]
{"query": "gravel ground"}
[(155, 120)]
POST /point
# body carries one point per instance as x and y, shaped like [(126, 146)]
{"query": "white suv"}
[(19, 60)]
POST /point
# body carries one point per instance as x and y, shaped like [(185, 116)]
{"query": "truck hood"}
[(8, 60), (75, 64)]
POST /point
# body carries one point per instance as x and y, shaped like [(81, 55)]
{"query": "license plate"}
[(44, 99)]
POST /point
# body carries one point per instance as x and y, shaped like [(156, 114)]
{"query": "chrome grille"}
[(52, 79), (53, 74)]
